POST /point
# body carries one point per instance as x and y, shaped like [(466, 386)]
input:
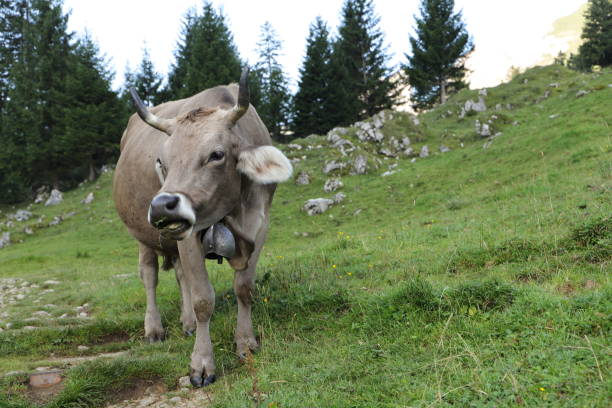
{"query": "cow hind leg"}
[(148, 268), (188, 318)]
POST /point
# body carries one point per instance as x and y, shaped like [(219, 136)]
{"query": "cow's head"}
[(202, 163)]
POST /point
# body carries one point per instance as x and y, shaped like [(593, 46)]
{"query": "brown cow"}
[(208, 163)]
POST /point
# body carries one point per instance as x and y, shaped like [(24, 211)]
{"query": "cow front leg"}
[(202, 366), (188, 319), (244, 285), (148, 268)]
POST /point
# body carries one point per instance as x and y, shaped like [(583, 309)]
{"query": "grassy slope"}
[(477, 277)]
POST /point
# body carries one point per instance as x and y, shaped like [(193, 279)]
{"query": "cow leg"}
[(202, 367), (188, 318), (148, 268), (244, 285)]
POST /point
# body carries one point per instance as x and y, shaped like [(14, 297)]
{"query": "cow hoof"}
[(189, 332), (198, 382)]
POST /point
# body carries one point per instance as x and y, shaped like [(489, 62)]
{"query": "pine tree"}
[(362, 84), (93, 115), (312, 105), (145, 80), (274, 108), (436, 67), (597, 35), (206, 55)]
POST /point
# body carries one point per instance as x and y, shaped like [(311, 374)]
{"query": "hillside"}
[(475, 277)]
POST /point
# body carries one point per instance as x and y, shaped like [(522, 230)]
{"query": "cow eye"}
[(216, 156)]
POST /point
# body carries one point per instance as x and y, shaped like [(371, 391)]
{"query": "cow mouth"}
[(172, 229)]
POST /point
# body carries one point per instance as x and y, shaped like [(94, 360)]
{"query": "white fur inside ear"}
[(265, 165)]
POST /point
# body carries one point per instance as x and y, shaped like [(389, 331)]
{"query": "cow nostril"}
[(172, 202)]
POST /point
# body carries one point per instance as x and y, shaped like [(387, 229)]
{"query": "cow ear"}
[(264, 164)]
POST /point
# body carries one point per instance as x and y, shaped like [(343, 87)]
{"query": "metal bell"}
[(218, 242)]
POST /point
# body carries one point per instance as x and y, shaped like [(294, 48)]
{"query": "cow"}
[(187, 167)]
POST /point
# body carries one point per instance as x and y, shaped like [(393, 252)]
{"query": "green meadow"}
[(473, 278)]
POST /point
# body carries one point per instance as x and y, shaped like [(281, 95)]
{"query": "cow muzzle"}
[(172, 214)]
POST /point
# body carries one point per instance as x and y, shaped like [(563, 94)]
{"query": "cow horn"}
[(165, 125), (243, 97)]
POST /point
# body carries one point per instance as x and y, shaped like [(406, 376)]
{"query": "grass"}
[(478, 277)]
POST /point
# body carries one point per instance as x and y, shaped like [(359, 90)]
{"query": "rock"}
[(317, 205), (409, 152), (51, 282), (482, 92), (294, 146), (415, 120), (29, 327), (68, 215), (55, 198), (357, 212), (302, 179), (21, 215), (424, 152), (405, 142), (345, 146), (388, 173), (333, 165), (482, 130), (444, 149), (82, 348), (479, 106), (386, 152), (56, 220), (525, 81), (367, 132), (28, 231), (338, 198), (498, 107), (41, 313), (332, 184), (45, 379), (554, 85), (360, 165), (5, 239), (175, 400), (553, 116), (88, 199), (581, 93), (184, 382)]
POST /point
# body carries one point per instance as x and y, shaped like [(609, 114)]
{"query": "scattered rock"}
[(338, 198), (332, 185), (21, 215), (317, 205), (388, 173), (409, 152), (413, 160), (5, 239), (333, 165), (470, 105), (88, 199), (444, 149), (45, 378), (41, 313), (28, 231), (482, 130), (370, 131), (357, 212), (294, 146), (387, 153), (51, 282), (554, 85), (82, 348), (482, 92), (498, 107), (424, 152), (581, 93), (56, 220), (184, 382), (360, 165), (55, 198), (554, 116), (302, 179)]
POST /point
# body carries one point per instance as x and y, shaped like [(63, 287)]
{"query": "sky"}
[(506, 32)]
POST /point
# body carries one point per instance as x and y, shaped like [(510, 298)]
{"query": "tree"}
[(312, 105), (597, 35), (145, 80), (436, 67), (362, 84), (274, 107), (206, 55), (94, 115)]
